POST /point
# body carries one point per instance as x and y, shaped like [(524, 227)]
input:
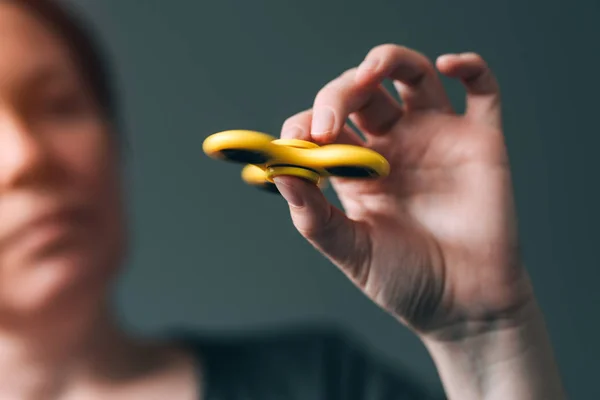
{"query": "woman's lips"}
[(50, 229)]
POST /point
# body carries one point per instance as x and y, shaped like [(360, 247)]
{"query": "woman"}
[(435, 244)]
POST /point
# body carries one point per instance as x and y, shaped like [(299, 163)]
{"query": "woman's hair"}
[(85, 50)]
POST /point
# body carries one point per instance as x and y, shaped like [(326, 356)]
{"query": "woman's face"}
[(61, 225)]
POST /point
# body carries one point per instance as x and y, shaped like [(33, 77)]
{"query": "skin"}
[(63, 235), (435, 243)]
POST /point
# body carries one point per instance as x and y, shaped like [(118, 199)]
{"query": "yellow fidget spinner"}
[(267, 157)]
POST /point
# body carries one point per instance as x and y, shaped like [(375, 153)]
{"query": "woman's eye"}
[(63, 107)]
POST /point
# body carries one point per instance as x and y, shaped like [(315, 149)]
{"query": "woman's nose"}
[(23, 155)]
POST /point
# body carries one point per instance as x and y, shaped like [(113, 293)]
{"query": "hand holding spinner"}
[(267, 157)]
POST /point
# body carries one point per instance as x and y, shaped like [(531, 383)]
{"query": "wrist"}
[(501, 358)]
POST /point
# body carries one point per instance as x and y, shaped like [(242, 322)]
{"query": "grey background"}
[(211, 253)]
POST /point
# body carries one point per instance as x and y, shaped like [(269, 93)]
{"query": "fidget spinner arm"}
[(267, 157)]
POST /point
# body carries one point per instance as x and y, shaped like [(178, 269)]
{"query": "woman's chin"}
[(56, 281)]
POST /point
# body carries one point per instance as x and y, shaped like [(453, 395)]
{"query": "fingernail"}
[(288, 193), (323, 121), (368, 66)]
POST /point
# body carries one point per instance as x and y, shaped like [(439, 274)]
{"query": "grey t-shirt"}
[(298, 364)]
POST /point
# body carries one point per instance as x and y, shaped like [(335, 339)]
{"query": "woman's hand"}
[(434, 243)]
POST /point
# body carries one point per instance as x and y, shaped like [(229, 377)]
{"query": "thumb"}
[(327, 228)]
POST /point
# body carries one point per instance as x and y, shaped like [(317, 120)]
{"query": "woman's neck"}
[(41, 356)]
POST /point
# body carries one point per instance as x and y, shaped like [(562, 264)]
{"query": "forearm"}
[(511, 360)]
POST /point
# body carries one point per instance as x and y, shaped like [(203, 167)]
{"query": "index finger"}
[(414, 76)]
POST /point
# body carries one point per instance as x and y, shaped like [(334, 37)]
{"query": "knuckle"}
[(336, 90), (349, 73), (479, 61), (298, 120), (393, 53), (475, 55), (318, 227), (387, 50)]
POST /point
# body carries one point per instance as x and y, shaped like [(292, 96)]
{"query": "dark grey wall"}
[(211, 252)]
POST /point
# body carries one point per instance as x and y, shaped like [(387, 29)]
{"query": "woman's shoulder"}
[(310, 361)]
